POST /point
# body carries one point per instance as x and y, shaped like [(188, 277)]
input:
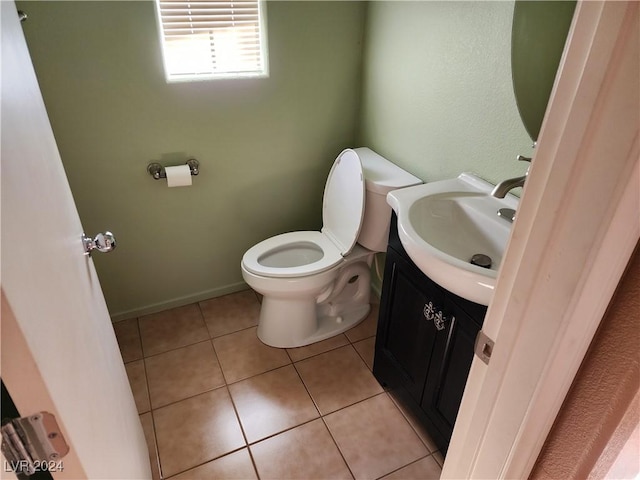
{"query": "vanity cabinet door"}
[(447, 376), (425, 342), (405, 338)]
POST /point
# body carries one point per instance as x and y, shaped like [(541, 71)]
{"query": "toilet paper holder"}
[(157, 171)]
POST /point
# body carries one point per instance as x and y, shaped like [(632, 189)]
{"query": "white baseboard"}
[(179, 302), (196, 297)]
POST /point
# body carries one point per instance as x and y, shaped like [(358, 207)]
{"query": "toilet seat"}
[(343, 201), (298, 254)]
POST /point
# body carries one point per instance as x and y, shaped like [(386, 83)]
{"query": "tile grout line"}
[(246, 445), (315, 404), (324, 421), (140, 336), (338, 447), (345, 406), (393, 403), (361, 356), (231, 333), (410, 422), (318, 353), (194, 343), (288, 429), (244, 434), (292, 364), (189, 397), (250, 376), (404, 466), (156, 447), (249, 444), (365, 364), (218, 387), (286, 350), (227, 385), (199, 393), (203, 320), (237, 414), (153, 421), (147, 386), (224, 378), (204, 463), (178, 348), (320, 415), (144, 357), (331, 434), (207, 390)]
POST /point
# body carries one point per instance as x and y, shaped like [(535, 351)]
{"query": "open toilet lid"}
[(343, 201)]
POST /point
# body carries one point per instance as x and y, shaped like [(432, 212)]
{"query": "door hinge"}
[(484, 347), (33, 443)]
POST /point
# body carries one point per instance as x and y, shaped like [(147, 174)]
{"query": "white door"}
[(59, 351)]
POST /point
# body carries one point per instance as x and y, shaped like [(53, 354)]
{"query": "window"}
[(208, 39)]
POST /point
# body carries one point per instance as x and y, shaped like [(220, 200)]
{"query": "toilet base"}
[(290, 324)]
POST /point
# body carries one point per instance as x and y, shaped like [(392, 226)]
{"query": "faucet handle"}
[(522, 158)]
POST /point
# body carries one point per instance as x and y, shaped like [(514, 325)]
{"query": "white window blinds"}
[(204, 39)]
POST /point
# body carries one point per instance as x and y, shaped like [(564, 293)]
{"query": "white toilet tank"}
[(381, 176)]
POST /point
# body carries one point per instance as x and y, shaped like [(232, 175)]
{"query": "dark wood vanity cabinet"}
[(425, 342)]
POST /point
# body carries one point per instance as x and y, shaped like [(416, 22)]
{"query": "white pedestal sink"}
[(443, 224)]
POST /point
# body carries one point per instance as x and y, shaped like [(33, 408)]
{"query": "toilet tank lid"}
[(382, 176)]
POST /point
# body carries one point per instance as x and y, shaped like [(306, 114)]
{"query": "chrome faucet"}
[(501, 189)]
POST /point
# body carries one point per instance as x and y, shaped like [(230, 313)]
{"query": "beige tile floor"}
[(215, 402)]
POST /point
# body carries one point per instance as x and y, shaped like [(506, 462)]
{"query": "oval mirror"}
[(538, 35)]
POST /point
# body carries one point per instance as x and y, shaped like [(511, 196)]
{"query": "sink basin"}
[(443, 224)]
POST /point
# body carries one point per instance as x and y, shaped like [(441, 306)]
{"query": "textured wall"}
[(602, 393), (265, 145), (437, 92), (436, 99)]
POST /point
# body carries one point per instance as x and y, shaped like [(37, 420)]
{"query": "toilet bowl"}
[(316, 284)]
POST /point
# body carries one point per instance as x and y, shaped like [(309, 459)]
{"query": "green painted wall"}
[(437, 92), (434, 96), (265, 146)]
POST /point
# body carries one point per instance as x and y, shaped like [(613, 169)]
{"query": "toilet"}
[(316, 285)]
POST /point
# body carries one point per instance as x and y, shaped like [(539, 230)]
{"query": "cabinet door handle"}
[(440, 321), (429, 311)]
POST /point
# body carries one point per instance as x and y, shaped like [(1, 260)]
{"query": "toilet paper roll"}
[(179, 176)]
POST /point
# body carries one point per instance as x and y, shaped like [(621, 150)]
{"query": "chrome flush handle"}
[(103, 242)]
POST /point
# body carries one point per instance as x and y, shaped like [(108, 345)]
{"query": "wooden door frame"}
[(578, 223)]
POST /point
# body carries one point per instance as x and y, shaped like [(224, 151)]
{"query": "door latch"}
[(103, 242), (484, 347), (34, 443)]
